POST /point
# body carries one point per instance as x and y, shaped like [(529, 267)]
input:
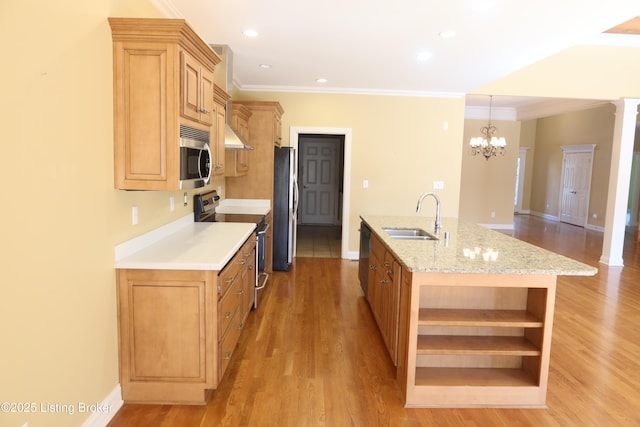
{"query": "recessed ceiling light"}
[(484, 4), (447, 34), (321, 80), (423, 56), (249, 32)]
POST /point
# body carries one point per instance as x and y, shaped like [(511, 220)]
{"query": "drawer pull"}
[(243, 262), (251, 267)]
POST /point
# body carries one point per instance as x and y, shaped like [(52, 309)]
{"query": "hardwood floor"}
[(311, 354)]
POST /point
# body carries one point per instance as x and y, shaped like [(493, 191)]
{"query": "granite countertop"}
[(187, 246), (470, 249)]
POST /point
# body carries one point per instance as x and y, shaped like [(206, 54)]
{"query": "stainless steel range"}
[(204, 210)]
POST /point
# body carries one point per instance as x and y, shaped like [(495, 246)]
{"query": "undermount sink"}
[(409, 233)]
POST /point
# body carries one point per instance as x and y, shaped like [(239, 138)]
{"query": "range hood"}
[(232, 141)]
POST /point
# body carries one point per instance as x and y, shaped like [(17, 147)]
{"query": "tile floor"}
[(318, 241)]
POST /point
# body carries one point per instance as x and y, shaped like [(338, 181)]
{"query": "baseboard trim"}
[(498, 226), (111, 405), (545, 216), (353, 255)]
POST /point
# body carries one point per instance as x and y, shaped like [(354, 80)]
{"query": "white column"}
[(619, 176)]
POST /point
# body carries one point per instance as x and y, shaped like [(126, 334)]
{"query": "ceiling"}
[(371, 46)]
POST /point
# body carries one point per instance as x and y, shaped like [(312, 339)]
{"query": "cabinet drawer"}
[(377, 248), (228, 274), (229, 305), (228, 343)]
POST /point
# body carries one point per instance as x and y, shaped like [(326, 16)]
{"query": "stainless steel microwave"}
[(195, 158)]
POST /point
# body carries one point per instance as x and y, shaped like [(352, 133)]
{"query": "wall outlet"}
[(134, 215), (438, 185), (365, 183), (172, 204), (493, 214), (185, 201), (594, 216)]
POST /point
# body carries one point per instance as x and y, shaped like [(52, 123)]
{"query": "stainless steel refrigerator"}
[(285, 207)]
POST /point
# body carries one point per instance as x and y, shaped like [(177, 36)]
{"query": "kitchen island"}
[(467, 319)]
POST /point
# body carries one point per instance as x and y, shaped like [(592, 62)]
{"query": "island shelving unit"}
[(475, 313)]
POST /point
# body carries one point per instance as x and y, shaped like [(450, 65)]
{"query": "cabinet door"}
[(197, 90), (218, 152), (190, 87), (207, 107)]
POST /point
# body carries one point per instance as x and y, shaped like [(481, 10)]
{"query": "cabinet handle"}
[(204, 110), (384, 281), (240, 326), (386, 264), (251, 267), (372, 267), (241, 291), (227, 315), (390, 273), (228, 355), (243, 261)]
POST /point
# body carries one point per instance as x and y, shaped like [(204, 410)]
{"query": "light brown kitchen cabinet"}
[(178, 329), (384, 294), (257, 183), (218, 155), (238, 160), (197, 90), (163, 77)]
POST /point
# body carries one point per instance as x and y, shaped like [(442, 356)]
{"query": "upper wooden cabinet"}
[(238, 160), (197, 90), (163, 77), (218, 156)]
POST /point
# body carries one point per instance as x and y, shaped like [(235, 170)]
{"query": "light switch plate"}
[(438, 185)]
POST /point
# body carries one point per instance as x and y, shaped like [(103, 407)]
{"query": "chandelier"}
[(489, 144)]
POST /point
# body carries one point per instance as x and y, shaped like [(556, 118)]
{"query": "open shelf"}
[(470, 317), (474, 377), (475, 345)]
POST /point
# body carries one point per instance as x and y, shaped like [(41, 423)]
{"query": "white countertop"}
[(465, 250), (191, 246), (244, 206)]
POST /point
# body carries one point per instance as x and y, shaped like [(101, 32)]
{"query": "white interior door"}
[(318, 181), (576, 185)]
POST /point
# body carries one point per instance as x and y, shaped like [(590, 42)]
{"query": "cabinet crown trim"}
[(162, 30)]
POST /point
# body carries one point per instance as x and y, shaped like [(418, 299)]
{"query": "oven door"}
[(262, 276)]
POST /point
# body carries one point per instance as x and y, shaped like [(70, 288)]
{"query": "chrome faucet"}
[(438, 224)]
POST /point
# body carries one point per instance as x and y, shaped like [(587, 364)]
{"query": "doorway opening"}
[(320, 179), (322, 171)]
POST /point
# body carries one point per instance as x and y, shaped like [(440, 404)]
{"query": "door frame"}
[(294, 133), (522, 171), (573, 149)]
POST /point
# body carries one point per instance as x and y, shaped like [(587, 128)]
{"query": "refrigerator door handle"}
[(296, 195)]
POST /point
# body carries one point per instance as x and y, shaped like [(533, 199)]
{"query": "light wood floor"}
[(311, 354)]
